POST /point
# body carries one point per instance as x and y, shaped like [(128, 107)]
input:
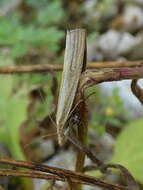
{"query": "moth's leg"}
[(72, 127), (74, 122)]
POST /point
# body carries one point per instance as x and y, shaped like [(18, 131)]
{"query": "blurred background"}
[(33, 32)]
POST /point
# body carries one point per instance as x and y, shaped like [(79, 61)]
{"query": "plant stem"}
[(82, 137), (14, 69), (93, 77), (59, 174)]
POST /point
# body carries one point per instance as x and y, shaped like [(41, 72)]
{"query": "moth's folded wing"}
[(73, 63)]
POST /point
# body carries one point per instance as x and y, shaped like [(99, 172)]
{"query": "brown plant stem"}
[(14, 69), (103, 167), (99, 164), (82, 126), (113, 64), (93, 77), (29, 174), (63, 174), (82, 137), (131, 182), (137, 91)]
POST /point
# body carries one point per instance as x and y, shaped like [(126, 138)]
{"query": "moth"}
[(73, 67)]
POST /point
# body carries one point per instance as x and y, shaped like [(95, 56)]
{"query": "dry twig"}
[(93, 77), (59, 174), (14, 69), (137, 91)]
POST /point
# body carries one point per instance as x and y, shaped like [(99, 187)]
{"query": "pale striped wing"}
[(73, 64)]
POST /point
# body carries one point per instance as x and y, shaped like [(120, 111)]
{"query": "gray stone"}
[(136, 53), (93, 54), (114, 43), (133, 18), (137, 2), (131, 103), (86, 187), (64, 159), (44, 148)]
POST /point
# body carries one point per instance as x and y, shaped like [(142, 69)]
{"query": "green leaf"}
[(13, 113), (129, 149), (114, 121), (52, 14), (20, 38), (9, 30), (19, 49), (40, 37), (37, 3)]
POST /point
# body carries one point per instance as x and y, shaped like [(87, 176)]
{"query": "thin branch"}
[(62, 173), (13, 69), (90, 154), (131, 182), (29, 174), (137, 91), (93, 77), (114, 64)]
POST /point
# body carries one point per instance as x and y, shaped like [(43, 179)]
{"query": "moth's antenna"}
[(52, 121), (79, 103), (49, 135), (74, 108), (44, 101)]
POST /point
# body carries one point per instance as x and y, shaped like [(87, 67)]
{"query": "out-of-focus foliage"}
[(13, 104), (47, 15), (128, 149), (41, 34), (105, 5), (13, 113), (18, 39), (107, 111), (35, 39)]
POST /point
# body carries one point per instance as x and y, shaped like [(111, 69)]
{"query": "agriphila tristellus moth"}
[(73, 66)]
